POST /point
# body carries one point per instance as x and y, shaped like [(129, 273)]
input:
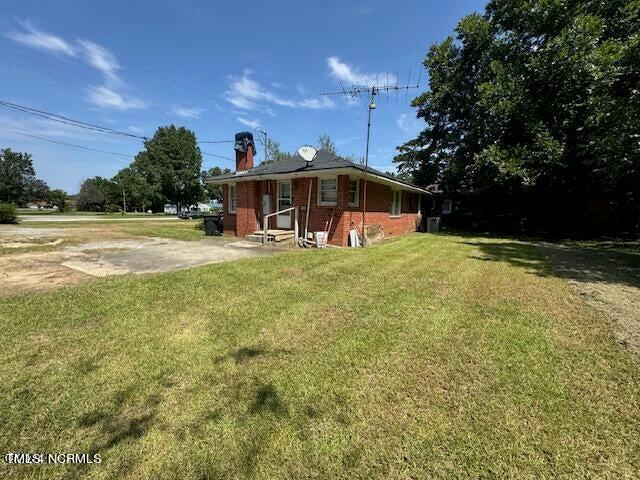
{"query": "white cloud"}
[(188, 113), (35, 38), (105, 97), (248, 123), (246, 93), (410, 126), (101, 59), (108, 95), (352, 76)]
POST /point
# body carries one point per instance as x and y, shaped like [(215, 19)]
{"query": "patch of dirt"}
[(70, 264), (35, 272), (5, 244), (293, 271), (606, 280)]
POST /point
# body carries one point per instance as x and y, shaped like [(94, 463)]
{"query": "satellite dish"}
[(307, 152)]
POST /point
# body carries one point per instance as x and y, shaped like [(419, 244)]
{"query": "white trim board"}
[(352, 172)]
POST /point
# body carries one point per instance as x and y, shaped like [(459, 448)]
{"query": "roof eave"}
[(313, 173)]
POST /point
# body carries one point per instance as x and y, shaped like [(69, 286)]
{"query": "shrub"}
[(8, 213)]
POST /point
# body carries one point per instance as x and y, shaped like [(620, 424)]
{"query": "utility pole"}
[(372, 91), (124, 202), (372, 106)]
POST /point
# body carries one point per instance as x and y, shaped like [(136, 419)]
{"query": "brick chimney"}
[(245, 150)]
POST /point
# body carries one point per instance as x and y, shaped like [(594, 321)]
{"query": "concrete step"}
[(254, 238), (272, 236)]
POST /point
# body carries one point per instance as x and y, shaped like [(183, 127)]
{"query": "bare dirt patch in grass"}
[(606, 276), (608, 281), (35, 272), (101, 258)]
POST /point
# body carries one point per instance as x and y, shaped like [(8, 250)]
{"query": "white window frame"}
[(231, 208), (392, 213), (320, 201), (357, 202)]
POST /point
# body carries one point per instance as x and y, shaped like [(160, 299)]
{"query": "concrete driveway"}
[(92, 218), (44, 270)]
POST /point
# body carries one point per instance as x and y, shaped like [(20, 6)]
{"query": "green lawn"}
[(424, 357)]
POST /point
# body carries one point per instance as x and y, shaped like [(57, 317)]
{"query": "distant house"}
[(201, 207), (215, 205), (332, 186)]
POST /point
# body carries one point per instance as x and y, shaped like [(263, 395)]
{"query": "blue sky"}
[(215, 67)]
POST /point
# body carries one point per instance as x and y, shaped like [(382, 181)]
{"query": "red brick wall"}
[(244, 221), (244, 160), (378, 206), (249, 211), (229, 219)]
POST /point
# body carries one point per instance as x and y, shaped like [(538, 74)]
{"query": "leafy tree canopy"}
[(16, 174), (536, 96), (171, 164)]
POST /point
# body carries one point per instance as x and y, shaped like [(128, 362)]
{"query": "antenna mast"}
[(262, 136), (371, 92)]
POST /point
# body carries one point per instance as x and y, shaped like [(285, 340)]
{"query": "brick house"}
[(337, 190)]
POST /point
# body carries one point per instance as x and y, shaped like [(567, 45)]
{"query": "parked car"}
[(189, 214)]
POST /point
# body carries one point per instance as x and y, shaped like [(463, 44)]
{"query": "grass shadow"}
[(267, 400), (119, 422), (243, 354), (561, 260)]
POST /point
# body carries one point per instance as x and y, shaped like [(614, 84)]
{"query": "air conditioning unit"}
[(433, 224)]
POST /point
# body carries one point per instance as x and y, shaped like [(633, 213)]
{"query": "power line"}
[(15, 131), (67, 121), (88, 126), (218, 156)]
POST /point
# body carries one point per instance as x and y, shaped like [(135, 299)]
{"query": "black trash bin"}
[(212, 225)]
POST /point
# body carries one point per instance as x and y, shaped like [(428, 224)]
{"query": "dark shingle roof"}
[(324, 160)]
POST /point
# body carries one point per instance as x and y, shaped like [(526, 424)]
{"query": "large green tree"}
[(535, 99), (16, 174), (138, 192), (171, 165), (91, 197)]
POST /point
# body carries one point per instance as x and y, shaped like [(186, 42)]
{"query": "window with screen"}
[(327, 191), (354, 192), (396, 196), (233, 199)]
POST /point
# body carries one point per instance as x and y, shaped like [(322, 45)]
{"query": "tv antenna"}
[(371, 92), (262, 138)]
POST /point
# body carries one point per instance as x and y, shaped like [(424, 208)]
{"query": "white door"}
[(284, 201)]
